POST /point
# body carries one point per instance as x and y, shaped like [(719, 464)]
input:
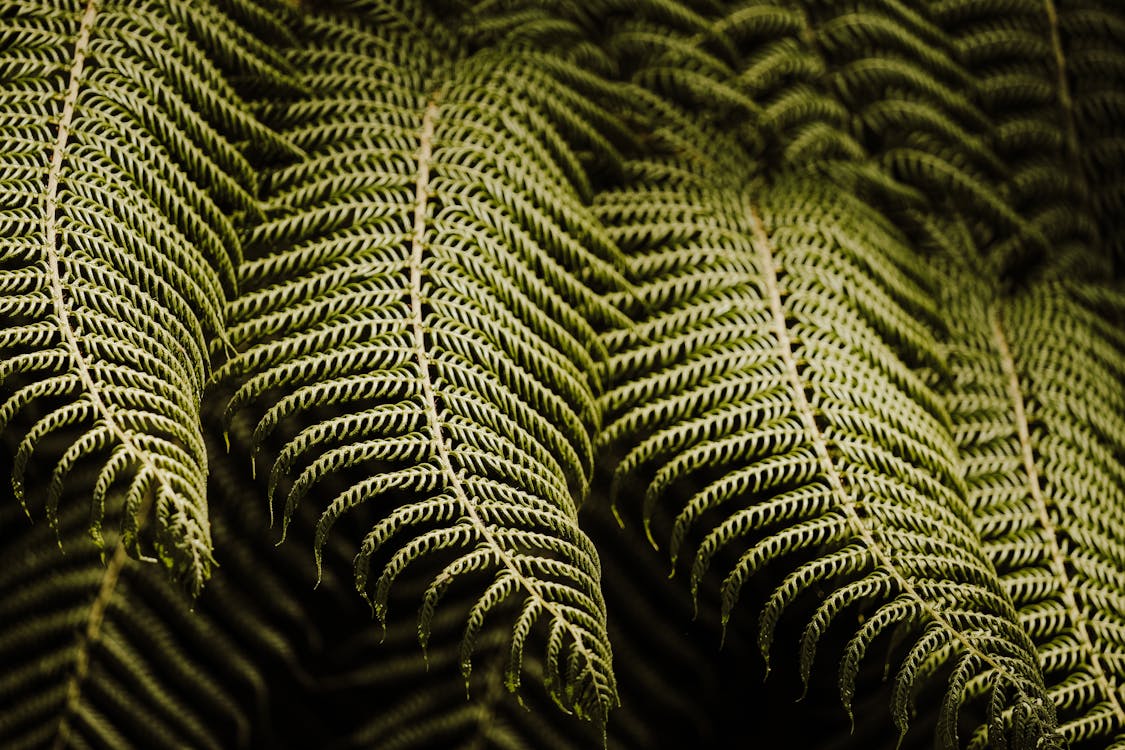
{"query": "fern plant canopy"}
[(475, 374)]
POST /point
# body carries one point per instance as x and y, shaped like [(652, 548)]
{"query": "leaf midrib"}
[(1050, 530), (433, 416), (108, 584), (1065, 100), (883, 557)]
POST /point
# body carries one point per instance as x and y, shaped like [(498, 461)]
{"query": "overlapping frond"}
[(418, 320), (838, 328), (670, 690), (123, 187), (874, 91), (777, 408), (110, 654), (424, 705), (1020, 54), (1092, 40), (1041, 420)]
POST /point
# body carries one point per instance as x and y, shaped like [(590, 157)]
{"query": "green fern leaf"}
[(123, 189), (1020, 53), (96, 643), (420, 324), (778, 403), (667, 692), (104, 653), (1041, 415)]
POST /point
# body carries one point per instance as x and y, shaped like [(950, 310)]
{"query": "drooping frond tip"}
[(423, 299)]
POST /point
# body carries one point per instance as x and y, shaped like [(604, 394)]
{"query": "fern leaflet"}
[(423, 310)]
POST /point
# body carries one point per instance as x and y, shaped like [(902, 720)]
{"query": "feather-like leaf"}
[(123, 188), (1041, 415), (419, 318), (777, 408)]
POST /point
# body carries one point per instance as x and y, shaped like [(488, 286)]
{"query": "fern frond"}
[(419, 322), (108, 653), (123, 189), (1091, 38), (95, 644), (1021, 55), (670, 694), (425, 705), (777, 409), (1041, 418), (847, 84)]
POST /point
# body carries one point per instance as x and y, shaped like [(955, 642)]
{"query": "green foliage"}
[(428, 269), (499, 309), (124, 188)]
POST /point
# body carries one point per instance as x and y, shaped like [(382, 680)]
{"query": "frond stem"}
[(1065, 100), (89, 637), (1050, 531), (59, 292), (50, 243), (433, 416), (112, 574), (768, 270)]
